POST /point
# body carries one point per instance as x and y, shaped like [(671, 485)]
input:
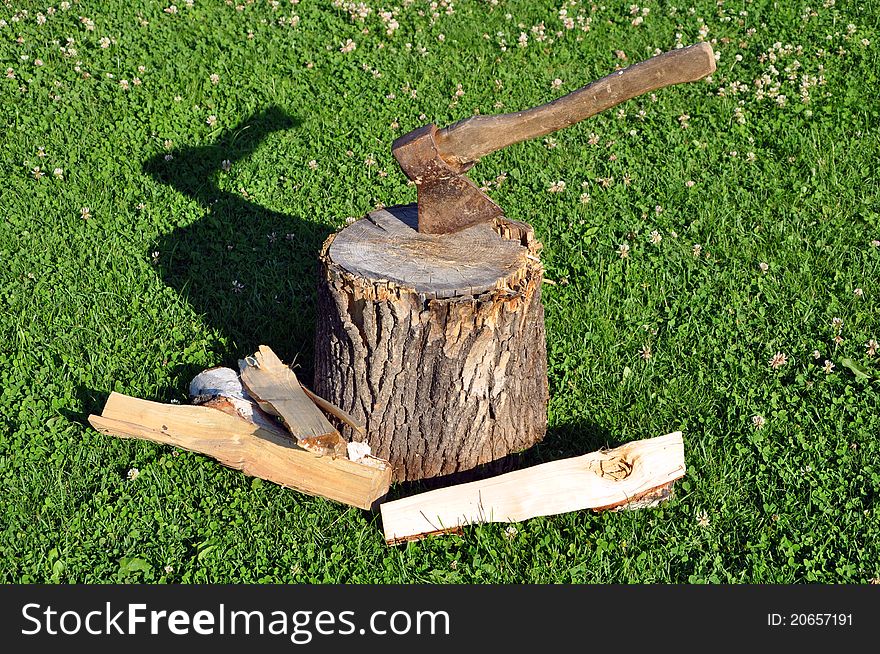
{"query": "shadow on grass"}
[(561, 442), (250, 271), (253, 284)]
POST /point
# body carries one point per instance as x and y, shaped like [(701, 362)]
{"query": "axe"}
[(436, 159)]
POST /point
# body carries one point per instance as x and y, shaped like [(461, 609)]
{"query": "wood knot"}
[(614, 468)]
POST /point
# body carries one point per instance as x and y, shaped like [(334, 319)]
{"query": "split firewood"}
[(278, 392), (634, 475), (221, 389), (246, 446), (333, 410)]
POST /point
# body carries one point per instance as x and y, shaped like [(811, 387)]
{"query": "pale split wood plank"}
[(244, 446), (605, 479), (277, 390)]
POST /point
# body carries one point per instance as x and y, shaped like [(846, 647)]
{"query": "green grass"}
[(85, 309)]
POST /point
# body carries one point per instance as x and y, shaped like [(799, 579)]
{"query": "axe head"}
[(448, 201)]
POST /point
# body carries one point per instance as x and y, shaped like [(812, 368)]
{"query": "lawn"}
[(170, 171)]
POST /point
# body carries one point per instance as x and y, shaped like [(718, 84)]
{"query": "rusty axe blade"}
[(448, 201), (436, 159)]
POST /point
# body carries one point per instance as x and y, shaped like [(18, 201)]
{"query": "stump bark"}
[(435, 342)]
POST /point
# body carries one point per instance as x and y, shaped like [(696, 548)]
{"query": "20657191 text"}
[(810, 619)]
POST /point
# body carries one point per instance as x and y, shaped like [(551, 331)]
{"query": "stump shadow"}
[(251, 273), (248, 270), (561, 442)]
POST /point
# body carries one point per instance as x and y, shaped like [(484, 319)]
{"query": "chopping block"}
[(434, 342), (430, 322)]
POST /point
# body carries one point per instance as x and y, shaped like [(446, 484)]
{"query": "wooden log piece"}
[(435, 343), (245, 446), (278, 392), (632, 476)]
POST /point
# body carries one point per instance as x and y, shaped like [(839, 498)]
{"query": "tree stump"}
[(435, 342)]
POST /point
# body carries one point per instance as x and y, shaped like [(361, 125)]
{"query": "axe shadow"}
[(236, 241)]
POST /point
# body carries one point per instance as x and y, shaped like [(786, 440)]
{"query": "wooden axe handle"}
[(466, 141)]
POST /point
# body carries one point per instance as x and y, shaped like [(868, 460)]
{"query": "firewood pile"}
[(263, 421)]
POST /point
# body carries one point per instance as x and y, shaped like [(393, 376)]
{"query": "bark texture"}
[(443, 381)]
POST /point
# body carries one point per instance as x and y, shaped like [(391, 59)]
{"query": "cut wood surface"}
[(221, 389), (386, 246), (436, 344), (277, 390), (239, 444), (605, 479)]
